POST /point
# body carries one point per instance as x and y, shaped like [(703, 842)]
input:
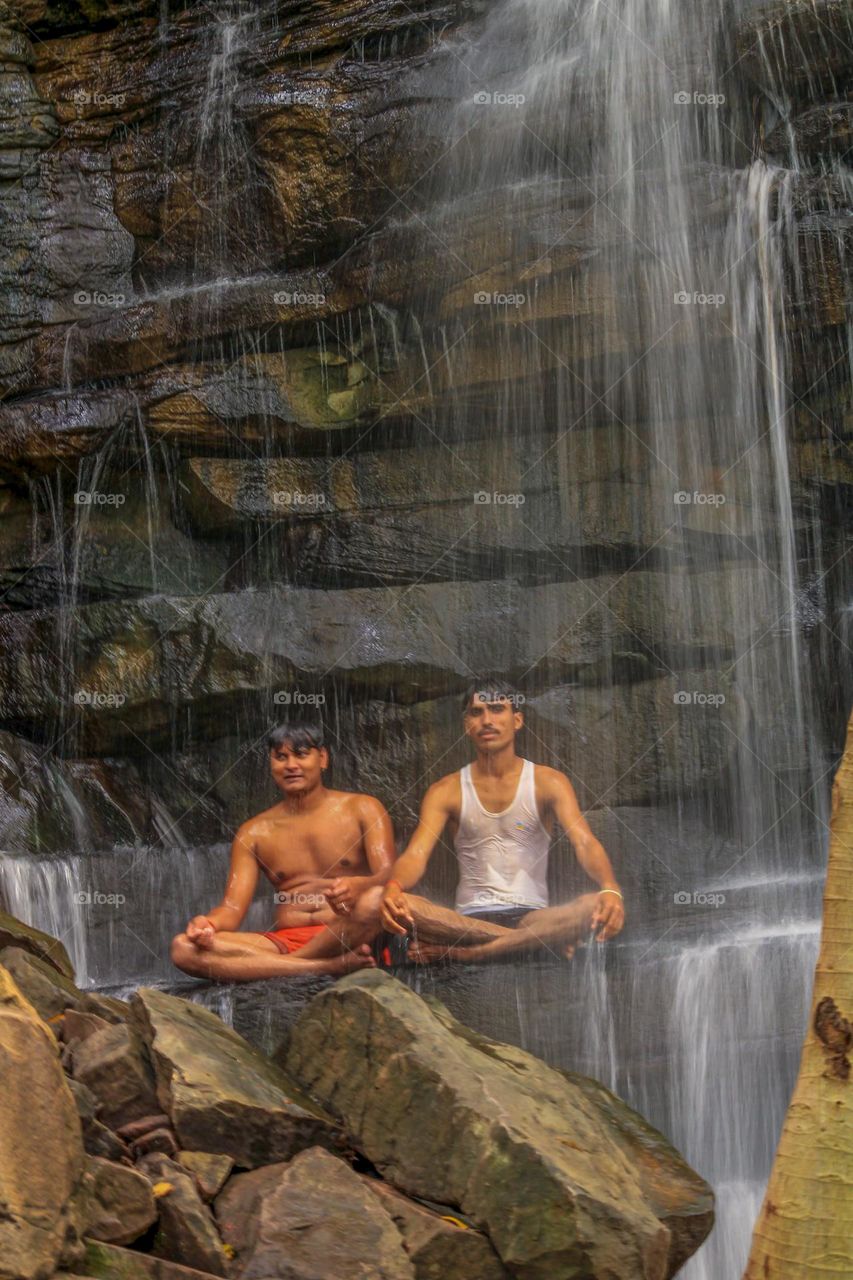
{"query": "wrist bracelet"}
[(616, 891)]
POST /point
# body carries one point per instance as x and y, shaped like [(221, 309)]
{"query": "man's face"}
[(491, 721), (297, 770)]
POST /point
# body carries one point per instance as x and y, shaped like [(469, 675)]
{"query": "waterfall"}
[(603, 280), (649, 259)]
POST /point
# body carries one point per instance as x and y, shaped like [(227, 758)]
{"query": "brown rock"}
[(209, 1171), (311, 1217), (136, 1128), (41, 1146), (222, 1095), (237, 1206), (98, 1140), (161, 1141), (187, 1232), (14, 933), (122, 1206), (106, 1007), (440, 1247), (114, 1065), (79, 1024), (111, 1262), (48, 991)]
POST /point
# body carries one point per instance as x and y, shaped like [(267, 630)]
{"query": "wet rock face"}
[(229, 357)]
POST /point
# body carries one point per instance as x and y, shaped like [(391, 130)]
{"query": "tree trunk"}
[(805, 1228)]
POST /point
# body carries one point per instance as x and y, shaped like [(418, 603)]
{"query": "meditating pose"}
[(322, 851), (500, 812)]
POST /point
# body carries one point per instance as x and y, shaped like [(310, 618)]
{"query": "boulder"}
[(41, 1146), (112, 1062), (237, 1206), (98, 1140), (122, 1205), (14, 933), (48, 991), (209, 1172), (222, 1095), (565, 1180), (441, 1246), (111, 1262), (187, 1232), (312, 1217)]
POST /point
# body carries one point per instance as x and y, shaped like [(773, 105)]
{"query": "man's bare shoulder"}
[(258, 823), (551, 781), (447, 790), (359, 803)]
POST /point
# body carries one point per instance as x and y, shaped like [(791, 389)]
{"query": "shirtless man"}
[(500, 812), (322, 851)]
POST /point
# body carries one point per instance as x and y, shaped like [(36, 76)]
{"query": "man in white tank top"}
[(500, 812)]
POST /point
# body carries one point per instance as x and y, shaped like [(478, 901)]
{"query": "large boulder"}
[(122, 1205), (311, 1217), (566, 1181), (222, 1095), (14, 933), (41, 1146)]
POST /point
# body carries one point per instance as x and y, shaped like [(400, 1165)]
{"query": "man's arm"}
[(560, 795), (379, 848), (412, 863), (239, 891)]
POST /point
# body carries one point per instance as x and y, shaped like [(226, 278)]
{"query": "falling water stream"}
[(611, 146)]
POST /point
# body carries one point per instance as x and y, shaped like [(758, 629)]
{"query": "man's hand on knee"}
[(201, 931), (394, 913)]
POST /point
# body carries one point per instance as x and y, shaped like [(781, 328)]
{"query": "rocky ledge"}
[(383, 1139)]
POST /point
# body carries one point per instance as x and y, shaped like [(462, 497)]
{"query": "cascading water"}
[(613, 142), (612, 299)]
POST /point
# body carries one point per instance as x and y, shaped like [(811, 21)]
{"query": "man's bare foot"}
[(361, 958)]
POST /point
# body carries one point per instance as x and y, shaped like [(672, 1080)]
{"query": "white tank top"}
[(503, 857)]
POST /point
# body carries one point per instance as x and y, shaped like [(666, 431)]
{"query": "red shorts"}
[(294, 938)]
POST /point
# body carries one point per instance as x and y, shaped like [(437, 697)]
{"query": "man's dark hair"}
[(495, 689), (299, 733)]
